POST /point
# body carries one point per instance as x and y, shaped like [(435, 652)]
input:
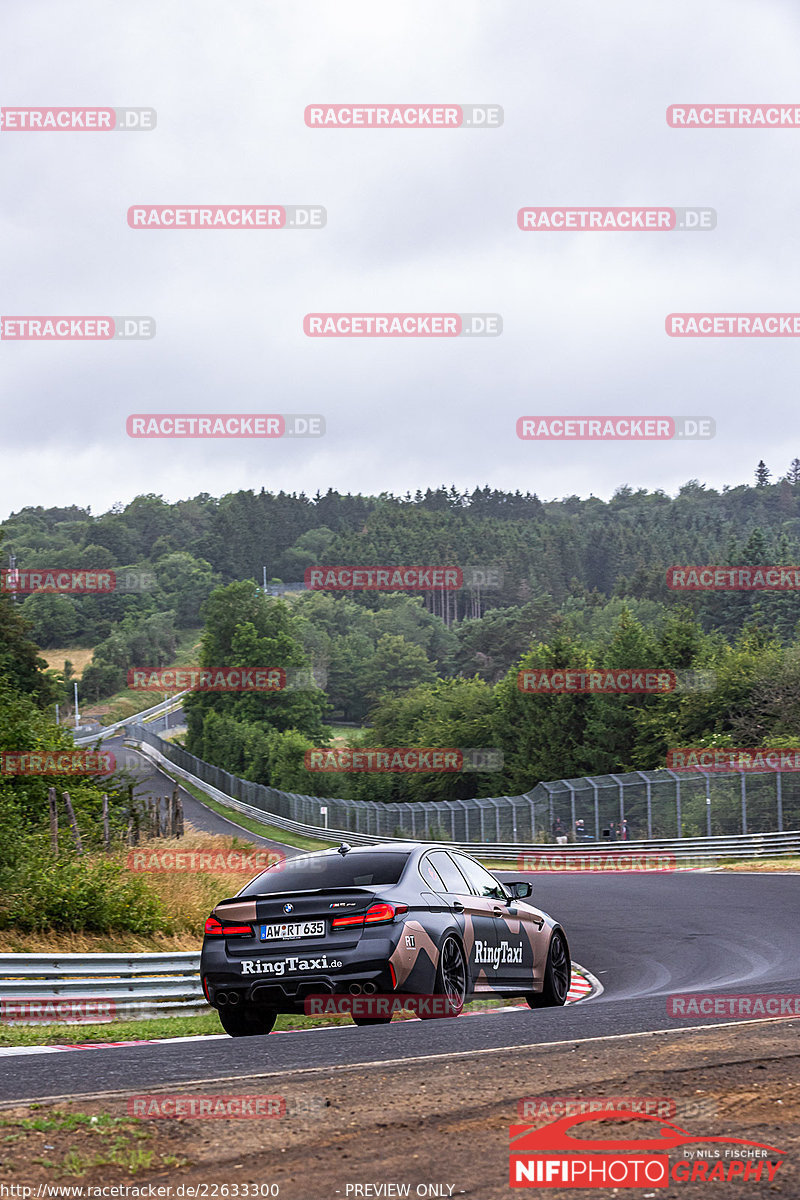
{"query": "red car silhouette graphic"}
[(556, 1136)]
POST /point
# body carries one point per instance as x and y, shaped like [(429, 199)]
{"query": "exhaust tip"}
[(233, 998), (370, 988), (355, 989), (221, 999)]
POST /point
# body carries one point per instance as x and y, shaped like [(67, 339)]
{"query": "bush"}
[(77, 894)]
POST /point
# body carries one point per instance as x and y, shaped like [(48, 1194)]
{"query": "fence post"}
[(106, 834), (76, 833), (571, 805), (744, 803), (708, 804), (594, 788), (51, 800), (647, 785), (779, 798)]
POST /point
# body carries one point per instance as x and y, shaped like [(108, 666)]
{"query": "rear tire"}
[(245, 1020), (451, 978), (557, 975)]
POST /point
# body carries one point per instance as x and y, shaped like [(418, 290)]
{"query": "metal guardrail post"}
[(621, 787), (648, 786), (708, 803), (779, 799), (744, 803), (572, 814)]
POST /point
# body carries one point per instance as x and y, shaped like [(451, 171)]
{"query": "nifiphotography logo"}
[(551, 1156)]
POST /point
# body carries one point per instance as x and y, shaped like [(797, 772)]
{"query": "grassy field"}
[(79, 656)]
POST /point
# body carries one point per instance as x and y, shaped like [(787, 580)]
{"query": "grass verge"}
[(168, 1027)]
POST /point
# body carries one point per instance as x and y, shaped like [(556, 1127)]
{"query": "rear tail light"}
[(377, 914), (217, 928)]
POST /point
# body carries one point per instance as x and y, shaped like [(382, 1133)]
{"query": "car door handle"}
[(499, 912), (458, 906)]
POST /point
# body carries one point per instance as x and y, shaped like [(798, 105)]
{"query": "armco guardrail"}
[(146, 714), (756, 845), (130, 985)]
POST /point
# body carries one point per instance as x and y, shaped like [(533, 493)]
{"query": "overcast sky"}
[(417, 221)]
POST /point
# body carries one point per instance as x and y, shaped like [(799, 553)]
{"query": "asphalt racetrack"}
[(645, 937)]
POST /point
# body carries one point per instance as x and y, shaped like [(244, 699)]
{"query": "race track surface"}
[(644, 936)]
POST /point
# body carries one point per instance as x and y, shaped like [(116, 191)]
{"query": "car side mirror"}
[(520, 889)]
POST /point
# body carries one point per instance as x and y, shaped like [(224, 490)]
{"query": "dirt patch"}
[(444, 1122)]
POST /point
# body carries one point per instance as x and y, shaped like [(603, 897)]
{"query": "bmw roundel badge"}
[(288, 908)]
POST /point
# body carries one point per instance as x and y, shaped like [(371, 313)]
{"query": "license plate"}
[(288, 931)]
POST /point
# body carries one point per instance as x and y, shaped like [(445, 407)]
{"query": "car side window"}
[(479, 879), (431, 876), (452, 879)]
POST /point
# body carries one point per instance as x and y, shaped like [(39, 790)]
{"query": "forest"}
[(568, 583)]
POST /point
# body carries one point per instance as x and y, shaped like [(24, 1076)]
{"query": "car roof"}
[(409, 847)]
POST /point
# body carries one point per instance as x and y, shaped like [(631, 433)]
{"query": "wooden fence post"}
[(76, 833), (52, 803)]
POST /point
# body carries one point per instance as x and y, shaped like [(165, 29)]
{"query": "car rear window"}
[(328, 871)]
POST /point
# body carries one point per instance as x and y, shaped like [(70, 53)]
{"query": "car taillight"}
[(341, 922), (216, 928), (377, 914)]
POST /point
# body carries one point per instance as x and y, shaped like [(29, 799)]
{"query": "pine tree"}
[(793, 474), (762, 474)]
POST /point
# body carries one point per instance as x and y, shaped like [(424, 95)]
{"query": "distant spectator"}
[(623, 831), (559, 832)]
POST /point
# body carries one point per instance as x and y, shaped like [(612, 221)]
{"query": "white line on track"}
[(382, 1064)]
